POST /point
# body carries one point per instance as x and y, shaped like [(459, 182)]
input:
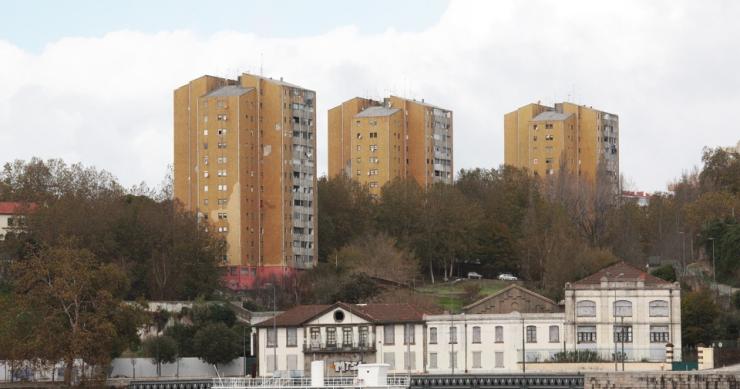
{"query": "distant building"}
[(618, 313), (12, 217), (640, 198), (375, 142), (245, 160), (543, 139)]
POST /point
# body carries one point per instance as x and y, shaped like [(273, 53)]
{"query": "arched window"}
[(622, 308), (586, 308), (659, 308)]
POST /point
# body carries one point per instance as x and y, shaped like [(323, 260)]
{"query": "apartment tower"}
[(245, 161), (541, 139), (375, 142)]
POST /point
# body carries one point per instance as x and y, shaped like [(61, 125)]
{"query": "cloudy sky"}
[(92, 81)]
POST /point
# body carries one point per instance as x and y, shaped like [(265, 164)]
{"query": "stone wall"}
[(663, 380)]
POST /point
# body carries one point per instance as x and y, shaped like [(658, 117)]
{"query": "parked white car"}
[(474, 275), (507, 277)]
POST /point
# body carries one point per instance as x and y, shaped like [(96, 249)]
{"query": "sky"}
[(92, 81)]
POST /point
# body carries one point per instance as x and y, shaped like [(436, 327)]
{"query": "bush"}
[(666, 272), (576, 356)]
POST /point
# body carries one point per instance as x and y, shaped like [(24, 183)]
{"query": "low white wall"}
[(595, 367), (188, 367)]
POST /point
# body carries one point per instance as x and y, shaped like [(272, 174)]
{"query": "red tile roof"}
[(374, 313), (15, 207), (621, 271)]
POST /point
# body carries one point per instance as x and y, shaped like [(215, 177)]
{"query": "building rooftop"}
[(376, 112), (621, 272), (15, 207), (374, 313), (229, 90), (551, 115)]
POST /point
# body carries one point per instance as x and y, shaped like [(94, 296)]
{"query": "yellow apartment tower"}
[(245, 160), (541, 139), (375, 142)]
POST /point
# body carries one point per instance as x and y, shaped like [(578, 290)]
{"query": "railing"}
[(323, 346), (394, 381)]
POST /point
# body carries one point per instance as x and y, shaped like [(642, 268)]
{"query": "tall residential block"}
[(576, 137), (375, 142), (245, 161)]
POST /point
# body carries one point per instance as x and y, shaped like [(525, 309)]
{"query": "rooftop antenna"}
[(261, 61)]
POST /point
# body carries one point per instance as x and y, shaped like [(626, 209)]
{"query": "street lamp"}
[(274, 328)]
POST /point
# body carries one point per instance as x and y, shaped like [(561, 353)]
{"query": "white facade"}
[(342, 339), (646, 317), (490, 343)]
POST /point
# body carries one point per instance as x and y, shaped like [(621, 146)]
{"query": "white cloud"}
[(668, 68)]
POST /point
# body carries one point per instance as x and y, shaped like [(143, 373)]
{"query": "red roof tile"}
[(621, 271), (374, 313), (15, 207)]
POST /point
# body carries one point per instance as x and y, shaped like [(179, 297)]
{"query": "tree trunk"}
[(431, 270)]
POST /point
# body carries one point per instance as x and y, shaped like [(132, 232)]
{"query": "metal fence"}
[(394, 381)]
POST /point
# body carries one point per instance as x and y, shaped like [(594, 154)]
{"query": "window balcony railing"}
[(339, 346)]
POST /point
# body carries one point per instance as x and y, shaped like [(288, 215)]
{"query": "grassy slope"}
[(450, 295)]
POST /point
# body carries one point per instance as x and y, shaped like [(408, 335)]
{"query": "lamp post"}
[(683, 252)]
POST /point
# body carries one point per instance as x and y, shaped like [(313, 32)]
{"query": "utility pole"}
[(622, 356), (524, 350)]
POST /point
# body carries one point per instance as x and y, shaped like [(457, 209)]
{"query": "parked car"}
[(507, 277), (473, 275)]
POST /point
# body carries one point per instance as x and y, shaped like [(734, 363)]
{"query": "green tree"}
[(699, 314), (161, 349), (345, 209), (666, 272), (183, 336), (76, 298), (397, 212), (217, 344)]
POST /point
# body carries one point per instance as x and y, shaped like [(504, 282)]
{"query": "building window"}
[(390, 360), (409, 360), (373, 134), (315, 337), (223, 229), (531, 334), (373, 160), (622, 334), (358, 147), (534, 161), (433, 335), (389, 334), (408, 334), (205, 132), (331, 336), (659, 334), (205, 188), (221, 160), (373, 184), (432, 360), (586, 308), (586, 334), (548, 125), (373, 148), (476, 334), (372, 172), (292, 336), (222, 187), (271, 337), (453, 335), (499, 334), (549, 137), (453, 360), (347, 336), (498, 358), (205, 174), (222, 131), (292, 361), (622, 308), (658, 308), (554, 334), (476, 360), (363, 336), (359, 173)]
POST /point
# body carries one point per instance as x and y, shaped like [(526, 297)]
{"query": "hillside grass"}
[(450, 295)]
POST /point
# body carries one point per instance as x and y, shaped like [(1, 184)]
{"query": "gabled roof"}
[(374, 313), (15, 207), (503, 291), (621, 272)]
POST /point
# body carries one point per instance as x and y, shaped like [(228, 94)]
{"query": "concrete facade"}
[(245, 161), (376, 142), (575, 137)]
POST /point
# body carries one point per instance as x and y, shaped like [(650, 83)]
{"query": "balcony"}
[(321, 346)]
